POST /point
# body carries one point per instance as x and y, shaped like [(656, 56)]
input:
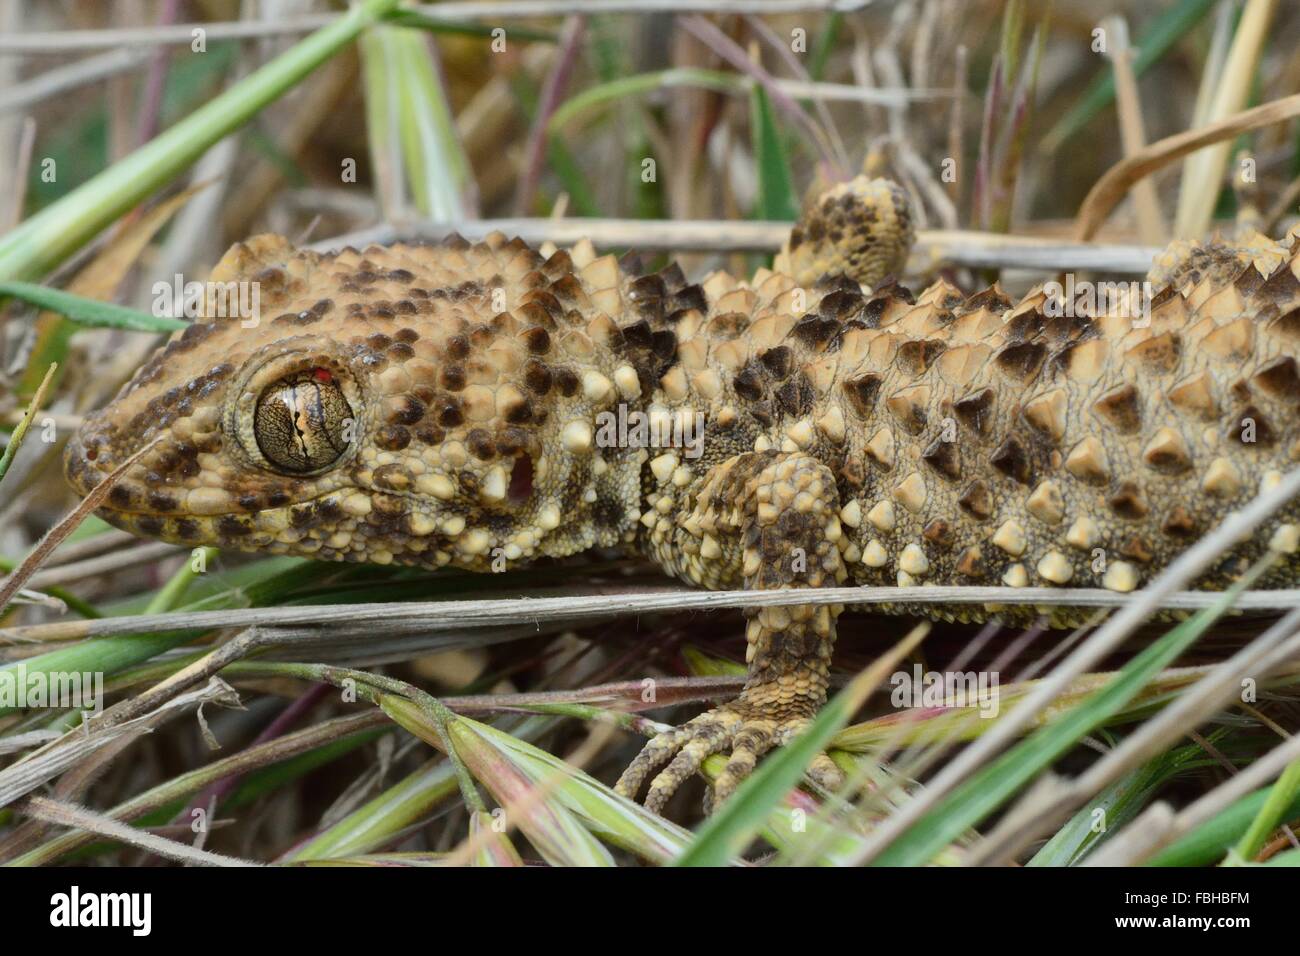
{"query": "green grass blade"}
[(1166, 30), (48, 238), (382, 136), (1289, 858), (776, 197), (1003, 777), (436, 165), (371, 825), (730, 829), (1208, 842), (414, 145), (1013, 26), (20, 430), (1118, 804), (701, 664), (825, 43), (557, 833), (110, 655), (615, 819), (607, 94), (1280, 796), (374, 824), (89, 312), (171, 593)]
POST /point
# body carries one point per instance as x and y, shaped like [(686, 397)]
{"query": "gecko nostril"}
[(521, 480)]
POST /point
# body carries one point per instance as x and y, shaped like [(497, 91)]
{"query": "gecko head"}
[(401, 424)]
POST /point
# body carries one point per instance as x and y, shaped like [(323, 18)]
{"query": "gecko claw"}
[(741, 730)]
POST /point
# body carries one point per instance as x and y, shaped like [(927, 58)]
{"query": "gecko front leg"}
[(777, 513)]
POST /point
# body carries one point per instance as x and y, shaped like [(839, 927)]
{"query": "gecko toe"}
[(702, 735), (745, 734), (825, 774), (710, 740), (756, 737), (657, 752)]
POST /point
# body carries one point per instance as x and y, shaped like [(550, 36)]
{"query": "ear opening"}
[(521, 480)]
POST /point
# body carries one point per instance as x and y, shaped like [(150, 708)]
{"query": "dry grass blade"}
[(1283, 205), (1191, 709), (626, 696), (55, 536), (1151, 225), (934, 247), (109, 540), (443, 616), (957, 126), (317, 105), (182, 34), (987, 741), (1141, 838), (557, 81), (1203, 172), (1111, 188), (79, 818), (67, 573), (726, 48), (168, 689), (65, 78), (252, 758), (11, 210), (35, 769), (70, 787), (795, 66), (16, 743)]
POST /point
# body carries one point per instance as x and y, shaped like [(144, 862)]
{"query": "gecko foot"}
[(746, 728)]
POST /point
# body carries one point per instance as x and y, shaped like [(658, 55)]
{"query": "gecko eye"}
[(301, 421)]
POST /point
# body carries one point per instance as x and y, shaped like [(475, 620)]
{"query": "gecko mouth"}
[(129, 498), (329, 527), (349, 523)]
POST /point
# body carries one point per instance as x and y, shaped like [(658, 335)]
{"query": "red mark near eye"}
[(322, 375)]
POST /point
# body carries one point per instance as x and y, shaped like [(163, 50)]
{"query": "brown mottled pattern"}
[(851, 433), (862, 228)]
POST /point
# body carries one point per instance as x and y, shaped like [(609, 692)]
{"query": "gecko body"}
[(452, 404)]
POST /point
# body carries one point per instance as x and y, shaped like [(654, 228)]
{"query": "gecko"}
[(485, 404)]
